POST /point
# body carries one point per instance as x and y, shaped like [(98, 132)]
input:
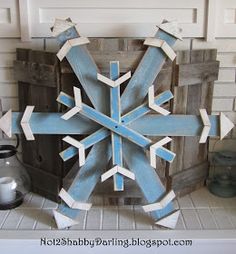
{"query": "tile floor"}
[(199, 211)]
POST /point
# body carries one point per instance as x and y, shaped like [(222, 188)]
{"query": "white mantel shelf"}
[(209, 221)]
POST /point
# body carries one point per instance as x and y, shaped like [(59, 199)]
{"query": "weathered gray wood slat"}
[(196, 73), (34, 73), (179, 106), (41, 157), (189, 99), (36, 67), (190, 178)]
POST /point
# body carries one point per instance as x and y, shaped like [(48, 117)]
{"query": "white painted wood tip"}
[(69, 44), (226, 125), (60, 26), (63, 221), (153, 105), (117, 169), (155, 42), (6, 123), (113, 83), (170, 220), (72, 203), (172, 28), (79, 146), (207, 126), (25, 123), (160, 204)]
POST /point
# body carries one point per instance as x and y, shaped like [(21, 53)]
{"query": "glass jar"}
[(14, 179)]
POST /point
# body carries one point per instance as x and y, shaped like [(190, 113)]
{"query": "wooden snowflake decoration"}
[(117, 125)]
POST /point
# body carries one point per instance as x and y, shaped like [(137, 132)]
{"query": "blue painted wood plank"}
[(134, 94), (92, 139), (144, 108), (151, 125), (165, 154), (174, 125), (146, 177), (145, 74), (86, 71), (116, 115), (52, 123)]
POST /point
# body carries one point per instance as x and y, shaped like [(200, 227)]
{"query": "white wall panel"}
[(226, 18), (9, 18), (134, 18)]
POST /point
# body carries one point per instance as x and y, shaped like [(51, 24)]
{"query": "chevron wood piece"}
[(78, 105), (161, 204), (69, 44), (207, 126), (6, 123), (115, 170), (66, 197), (225, 125), (169, 221), (79, 146), (155, 42), (25, 123), (157, 146), (114, 83), (152, 105)]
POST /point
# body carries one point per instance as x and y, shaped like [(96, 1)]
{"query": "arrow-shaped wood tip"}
[(117, 169), (6, 123), (169, 221), (63, 221), (225, 125)]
